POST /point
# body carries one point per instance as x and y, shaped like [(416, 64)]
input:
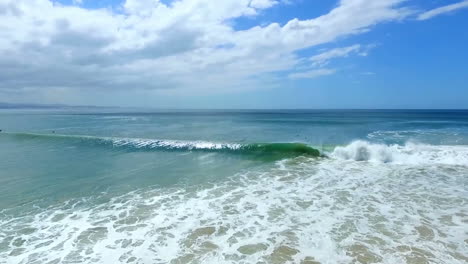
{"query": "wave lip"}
[(264, 150), (170, 144), (276, 149), (410, 153)]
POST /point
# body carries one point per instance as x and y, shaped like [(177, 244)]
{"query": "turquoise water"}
[(335, 186)]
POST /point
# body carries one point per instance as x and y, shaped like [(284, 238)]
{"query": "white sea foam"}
[(409, 153), (326, 210)]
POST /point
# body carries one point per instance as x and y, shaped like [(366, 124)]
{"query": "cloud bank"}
[(186, 46)]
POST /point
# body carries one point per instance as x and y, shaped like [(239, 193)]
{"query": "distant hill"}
[(25, 105), (42, 106)]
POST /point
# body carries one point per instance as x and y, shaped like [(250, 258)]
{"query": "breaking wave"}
[(274, 150), (360, 150), (410, 153)]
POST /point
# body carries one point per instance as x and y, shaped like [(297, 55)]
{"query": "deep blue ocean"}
[(233, 186)]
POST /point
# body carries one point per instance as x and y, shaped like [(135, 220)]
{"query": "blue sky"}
[(236, 53)]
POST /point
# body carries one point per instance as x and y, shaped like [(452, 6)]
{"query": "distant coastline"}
[(33, 106)]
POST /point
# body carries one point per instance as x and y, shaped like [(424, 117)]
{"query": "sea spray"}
[(409, 153)]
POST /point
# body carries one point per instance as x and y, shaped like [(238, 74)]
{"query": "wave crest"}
[(264, 150)]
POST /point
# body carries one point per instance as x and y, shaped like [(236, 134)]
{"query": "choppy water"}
[(234, 187)]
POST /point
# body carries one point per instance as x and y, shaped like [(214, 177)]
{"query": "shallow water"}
[(173, 187)]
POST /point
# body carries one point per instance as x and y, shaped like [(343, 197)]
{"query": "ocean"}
[(233, 186)]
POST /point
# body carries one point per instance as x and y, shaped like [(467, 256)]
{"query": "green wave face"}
[(263, 151), (281, 150)]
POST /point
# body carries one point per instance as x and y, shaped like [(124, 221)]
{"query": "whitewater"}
[(198, 188)]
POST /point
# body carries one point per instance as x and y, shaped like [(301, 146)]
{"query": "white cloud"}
[(443, 10), (263, 3), (188, 46), (311, 74), (325, 57), (343, 52)]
